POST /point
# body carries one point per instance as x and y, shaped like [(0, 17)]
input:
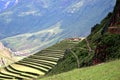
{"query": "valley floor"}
[(104, 71)]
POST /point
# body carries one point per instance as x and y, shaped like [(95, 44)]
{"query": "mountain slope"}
[(66, 55), (28, 17), (34, 42), (100, 46), (4, 4), (36, 65), (105, 71)]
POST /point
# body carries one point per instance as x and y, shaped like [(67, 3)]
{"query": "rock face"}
[(105, 49), (115, 20), (114, 30), (5, 55)]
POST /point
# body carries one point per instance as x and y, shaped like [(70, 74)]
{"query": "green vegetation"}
[(69, 61), (100, 46), (104, 45), (111, 41), (38, 64), (98, 37), (81, 50), (104, 71)]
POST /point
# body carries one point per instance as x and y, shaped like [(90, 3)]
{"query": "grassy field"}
[(104, 71)]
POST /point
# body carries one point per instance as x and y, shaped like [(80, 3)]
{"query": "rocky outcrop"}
[(100, 55), (115, 18), (5, 55), (114, 30), (114, 27)]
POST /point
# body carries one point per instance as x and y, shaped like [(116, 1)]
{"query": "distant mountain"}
[(32, 42), (102, 45), (4, 4), (75, 18)]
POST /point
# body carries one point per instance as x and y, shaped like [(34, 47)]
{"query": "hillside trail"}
[(74, 54), (88, 45)]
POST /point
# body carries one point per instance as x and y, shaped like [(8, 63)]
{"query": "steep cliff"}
[(108, 40)]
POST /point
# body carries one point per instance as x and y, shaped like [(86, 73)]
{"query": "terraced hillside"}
[(100, 46), (38, 64)]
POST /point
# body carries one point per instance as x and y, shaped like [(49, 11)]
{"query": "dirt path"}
[(88, 45)]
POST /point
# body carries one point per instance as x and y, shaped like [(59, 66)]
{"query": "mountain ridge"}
[(103, 46), (29, 17), (44, 37)]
